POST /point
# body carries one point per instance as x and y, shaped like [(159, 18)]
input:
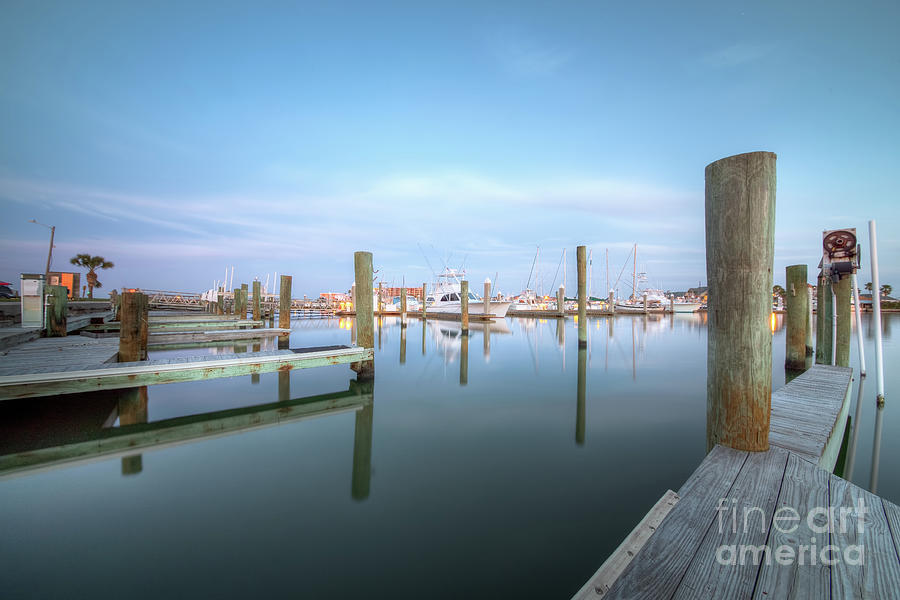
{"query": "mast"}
[(634, 275), (607, 270), (591, 274), (565, 271)]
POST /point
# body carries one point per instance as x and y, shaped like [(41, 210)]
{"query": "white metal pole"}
[(833, 326), (876, 309), (859, 336)]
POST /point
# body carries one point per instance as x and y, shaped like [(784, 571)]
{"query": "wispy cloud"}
[(525, 55), (737, 54)]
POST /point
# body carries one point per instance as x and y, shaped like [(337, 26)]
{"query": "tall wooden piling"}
[(236, 301), (424, 298), (740, 229), (611, 302), (220, 301), (365, 318), (245, 297), (380, 298), (403, 307), (57, 311), (561, 302), (824, 320), (796, 317), (464, 304), (257, 306), (843, 312), (133, 327), (486, 298), (581, 255), (284, 302)]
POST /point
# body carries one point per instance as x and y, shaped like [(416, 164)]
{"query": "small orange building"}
[(72, 281)]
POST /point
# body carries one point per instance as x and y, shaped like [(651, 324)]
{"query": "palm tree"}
[(91, 263), (886, 289), (869, 287)]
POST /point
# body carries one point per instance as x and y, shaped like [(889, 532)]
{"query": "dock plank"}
[(658, 568)]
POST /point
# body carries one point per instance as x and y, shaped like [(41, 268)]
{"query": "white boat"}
[(444, 297), (685, 306), (412, 303)]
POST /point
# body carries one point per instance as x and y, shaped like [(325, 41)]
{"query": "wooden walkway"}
[(683, 548), (14, 336), (44, 371), (198, 337), (46, 355)]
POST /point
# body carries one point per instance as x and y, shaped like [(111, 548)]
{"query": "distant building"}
[(72, 281)]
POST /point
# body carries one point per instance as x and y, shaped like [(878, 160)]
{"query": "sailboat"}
[(654, 300)]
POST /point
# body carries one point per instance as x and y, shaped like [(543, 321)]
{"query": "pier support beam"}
[(611, 301), (581, 256), (244, 300), (403, 307), (824, 320), (134, 327), (220, 301), (796, 317), (487, 297), (561, 301), (365, 317), (740, 230), (843, 312), (56, 312), (257, 308), (464, 305), (424, 303)]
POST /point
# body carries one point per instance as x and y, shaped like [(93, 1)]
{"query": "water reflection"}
[(580, 396)]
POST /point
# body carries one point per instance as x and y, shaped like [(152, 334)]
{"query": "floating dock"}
[(675, 552)]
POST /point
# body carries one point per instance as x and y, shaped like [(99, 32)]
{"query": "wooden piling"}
[(796, 318), (424, 303), (220, 301), (824, 320), (134, 327), (380, 298), (284, 302), (486, 298), (57, 311), (561, 302), (365, 318), (740, 229), (235, 301), (611, 303), (843, 312), (244, 300), (464, 304), (403, 307), (581, 255), (257, 308)]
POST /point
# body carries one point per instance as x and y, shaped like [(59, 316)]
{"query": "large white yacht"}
[(444, 297)]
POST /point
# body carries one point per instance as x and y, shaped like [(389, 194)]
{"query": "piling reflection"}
[(464, 358), (854, 434), (403, 343), (876, 449), (132, 407), (362, 441), (580, 397)]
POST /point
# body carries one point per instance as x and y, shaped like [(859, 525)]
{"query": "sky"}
[(179, 140)]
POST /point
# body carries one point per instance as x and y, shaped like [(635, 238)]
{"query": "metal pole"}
[(876, 309), (859, 336), (833, 326), (50, 253)]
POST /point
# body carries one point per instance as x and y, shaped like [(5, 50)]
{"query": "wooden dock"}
[(677, 551), (200, 337), (79, 364), (13, 336)]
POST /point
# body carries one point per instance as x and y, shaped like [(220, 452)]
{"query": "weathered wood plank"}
[(213, 336), (892, 512), (598, 585), (803, 488), (878, 575), (123, 375), (756, 487), (657, 569)]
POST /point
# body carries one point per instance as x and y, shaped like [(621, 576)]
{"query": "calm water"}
[(485, 478)]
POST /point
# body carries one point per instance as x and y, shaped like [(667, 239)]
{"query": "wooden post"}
[(235, 302), (581, 256), (56, 312), (487, 297), (645, 304), (365, 318), (464, 358), (424, 304), (611, 301), (353, 297), (220, 301), (257, 309), (362, 448), (740, 229), (842, 292), (796, 311), (133, 327), (403, 307), (561, 302), (464, 305), (810, 327), (244, 300), (380, 298), (271, 314), (284, 303), (580, 409), (824, 320)]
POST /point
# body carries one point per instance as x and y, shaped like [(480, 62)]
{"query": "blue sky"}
[(179, 139)]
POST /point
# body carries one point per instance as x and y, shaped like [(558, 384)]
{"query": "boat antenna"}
[(558, 265), (625, 264), (427, 262)]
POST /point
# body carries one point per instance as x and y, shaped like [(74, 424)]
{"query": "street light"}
[(52, 229)]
